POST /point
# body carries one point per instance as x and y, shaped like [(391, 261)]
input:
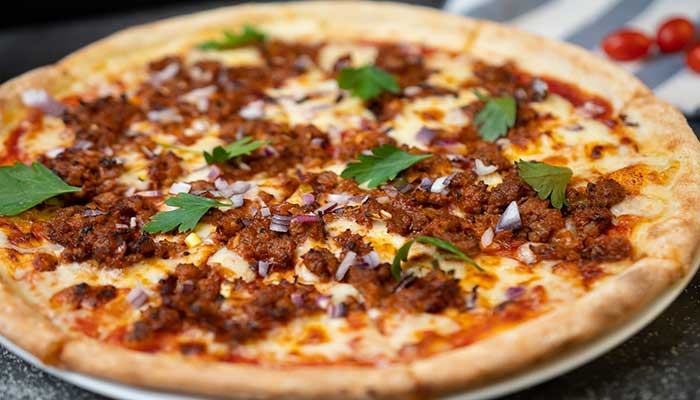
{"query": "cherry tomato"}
[(692, 58), (626, 45), (675, 34)]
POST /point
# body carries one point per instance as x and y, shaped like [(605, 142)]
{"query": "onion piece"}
[(55, 152), (265, 211), (482, 169), (372, 259), (214, 172), (425, 135), (179, 187), (83, 144), (426, 183), (149, 193), (404, 282), (280, 223), (308, 198), (515, 292), (323, 301), (339, 199), (137, 296), (305, 219), (297, 299), (39, 99), (164, 74), (254, 110), (237, 200), (526, 255), (510, 220), (487, 238), (348, 261), (165, 115), (326, 208), (263, 268), (440, 184), (337, 310)]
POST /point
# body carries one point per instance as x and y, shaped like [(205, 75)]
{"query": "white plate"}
[(545, 371)]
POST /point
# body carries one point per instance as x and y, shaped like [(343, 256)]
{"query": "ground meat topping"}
[(84, 296)]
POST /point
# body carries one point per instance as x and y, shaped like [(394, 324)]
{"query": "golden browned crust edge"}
[(234, 380), (26, 327), (615, 300)]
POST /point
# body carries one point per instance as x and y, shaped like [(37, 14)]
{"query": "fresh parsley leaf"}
[(367, 82), (496, 117), (24, 187), (547, 180), (248, 35), (241, 147), (383, 165), (192, 209), (402, 253)]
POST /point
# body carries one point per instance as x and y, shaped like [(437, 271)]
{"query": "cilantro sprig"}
[(249, 35), (549, 181), (384, 164), (402, 253), (497, 116), (367, 82), (241, 147), (191, 209), (24, 187)]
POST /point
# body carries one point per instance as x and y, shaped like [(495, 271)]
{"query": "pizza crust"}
[(671, 242)]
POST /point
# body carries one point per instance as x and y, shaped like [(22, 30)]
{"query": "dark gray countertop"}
[(660, 362)]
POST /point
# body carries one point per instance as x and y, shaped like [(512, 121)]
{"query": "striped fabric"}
[(586, 22)]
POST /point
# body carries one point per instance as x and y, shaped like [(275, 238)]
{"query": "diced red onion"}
[(425, 135), (526, 255), (482, 169), (214, 172), (339, 199), (53, 153), (510, 220), (265, 211), (412, 90), (92, 212), (297, 299), (326, 208), (426, 183), (121, 226), (305, 219), (472, 298), (280, 223), (137, 296), (132, 222), (515, 292), (149, 193), (404, 283), (253, 211), (308, 198), (237, 200), (39, 99), (487, 237), (130, 191), (323, 301), (269, 151), (337, 310), (440, 184), (372, 259), (253, 110), (317, 141), (165, 74), (348, 261), (179, 187), (540, 88), (240, 187), (83, 144), (276, 227), (263, 268), (166, 115)]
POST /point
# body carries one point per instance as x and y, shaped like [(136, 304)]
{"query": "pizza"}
[(333, 200)]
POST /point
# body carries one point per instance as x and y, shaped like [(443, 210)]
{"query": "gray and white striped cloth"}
[(585, 23)]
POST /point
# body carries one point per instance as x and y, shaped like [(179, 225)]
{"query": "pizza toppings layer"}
[(263, 201)]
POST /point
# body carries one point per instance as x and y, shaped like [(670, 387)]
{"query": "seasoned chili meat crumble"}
[(288, 246)]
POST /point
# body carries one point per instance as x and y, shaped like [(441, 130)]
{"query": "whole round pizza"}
[(333, 200)]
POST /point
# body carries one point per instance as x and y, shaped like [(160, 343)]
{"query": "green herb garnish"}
[(249, 35), (192, 209), (367, 82), (242, 147), (496, 117), (385, 162), (402, 253), (24, 187), (549, 181)]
